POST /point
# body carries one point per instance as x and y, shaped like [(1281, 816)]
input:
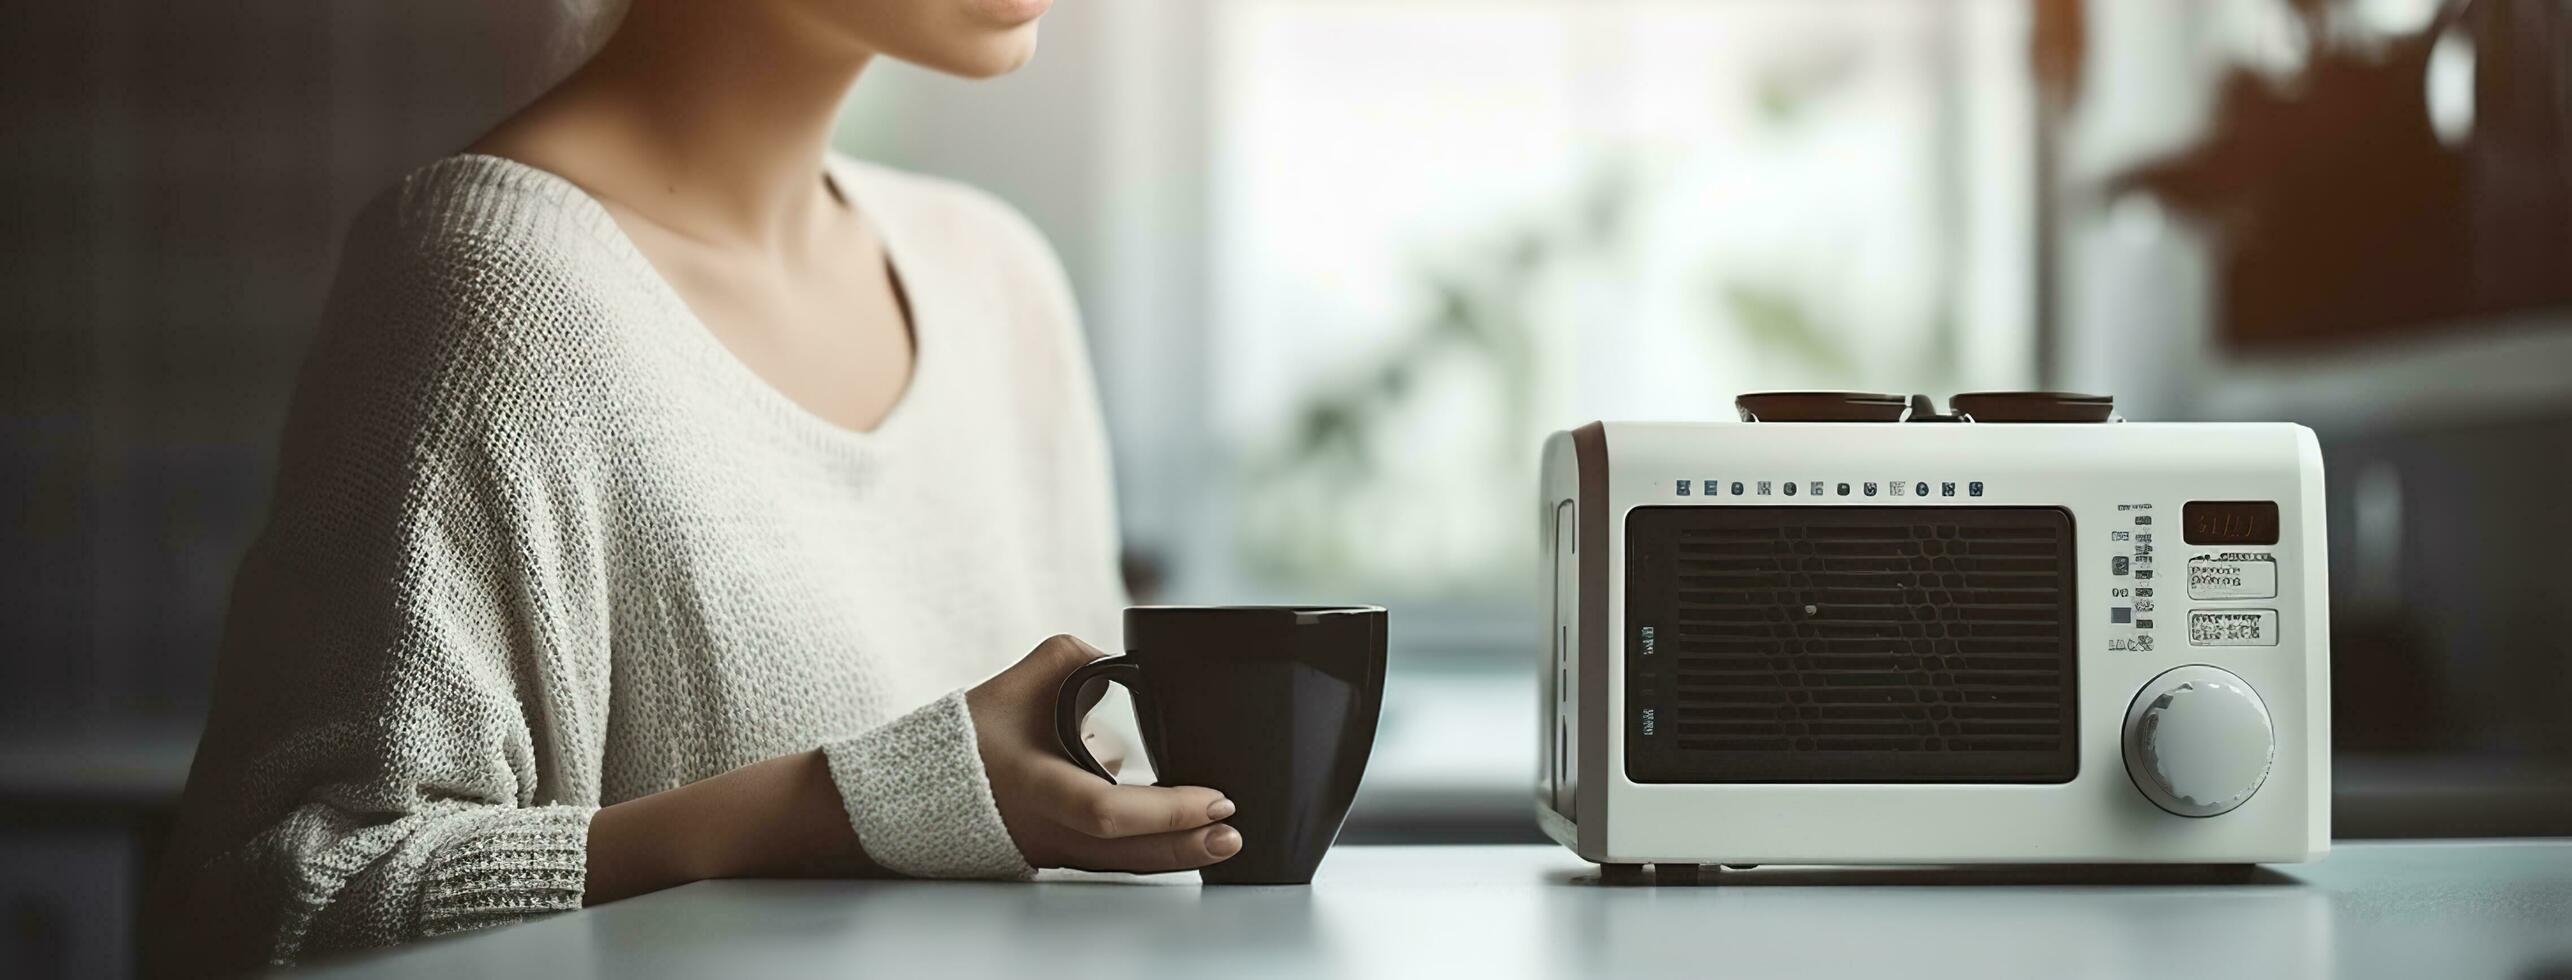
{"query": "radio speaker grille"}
[(1851, 644)]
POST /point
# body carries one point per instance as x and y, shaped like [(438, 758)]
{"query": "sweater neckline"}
[(579, 209)]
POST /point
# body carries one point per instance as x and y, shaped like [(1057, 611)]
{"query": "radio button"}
[(2233, 575), (2232, 627), (2198, 741)]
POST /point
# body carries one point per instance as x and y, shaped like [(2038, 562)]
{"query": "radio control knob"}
[(2033, 406), (2198, 741), (1821, 406)]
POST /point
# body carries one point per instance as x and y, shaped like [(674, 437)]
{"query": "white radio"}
[(1835, 634)]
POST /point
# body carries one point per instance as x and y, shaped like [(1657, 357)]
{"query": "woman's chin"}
[(1011, 13), (989, 57)]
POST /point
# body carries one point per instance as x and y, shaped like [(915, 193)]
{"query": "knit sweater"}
[(540, 544)]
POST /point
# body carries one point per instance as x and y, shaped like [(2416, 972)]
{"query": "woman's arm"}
[(774, 819), (788, 817), (410, 704)]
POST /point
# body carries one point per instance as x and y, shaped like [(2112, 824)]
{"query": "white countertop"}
[(2392, 909)]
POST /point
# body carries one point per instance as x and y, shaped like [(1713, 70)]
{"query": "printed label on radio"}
[(2232, 627), (2233, 575)]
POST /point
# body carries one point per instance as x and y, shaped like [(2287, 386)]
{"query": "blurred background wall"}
[(172, 191), (1344, 263)]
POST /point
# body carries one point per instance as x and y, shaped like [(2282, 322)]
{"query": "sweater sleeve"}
[(410, 700), (918, 796)]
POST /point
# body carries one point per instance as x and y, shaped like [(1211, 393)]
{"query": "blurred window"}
[(1442, 230)]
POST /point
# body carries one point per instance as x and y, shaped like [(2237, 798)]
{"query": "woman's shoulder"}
[(490, 223), (476, 248), (474, 278)]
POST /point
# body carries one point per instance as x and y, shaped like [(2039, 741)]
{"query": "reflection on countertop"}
[(2460, 908)]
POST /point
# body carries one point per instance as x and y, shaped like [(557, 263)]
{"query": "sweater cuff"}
[(917, 794), (516, 864)]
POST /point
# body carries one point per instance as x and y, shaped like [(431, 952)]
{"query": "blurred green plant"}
[(1784, 90), (1776, 319), (1481, 318)]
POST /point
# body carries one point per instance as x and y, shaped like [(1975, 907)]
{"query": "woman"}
[(656, 482)]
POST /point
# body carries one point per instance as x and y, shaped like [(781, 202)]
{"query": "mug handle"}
[(1068, 713)]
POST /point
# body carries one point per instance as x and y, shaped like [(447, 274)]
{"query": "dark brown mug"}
[(1273, 706)]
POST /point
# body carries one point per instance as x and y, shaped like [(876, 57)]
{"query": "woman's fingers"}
[(1056, 658), (1173, 851), (1095, 807), (1061, 815)]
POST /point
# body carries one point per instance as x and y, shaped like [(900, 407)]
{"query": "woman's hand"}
[(784, 817), (1058, 813)]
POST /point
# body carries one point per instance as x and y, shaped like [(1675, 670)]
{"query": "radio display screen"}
[(2230, 521)]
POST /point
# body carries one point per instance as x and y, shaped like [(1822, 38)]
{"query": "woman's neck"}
[(709, 119)]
